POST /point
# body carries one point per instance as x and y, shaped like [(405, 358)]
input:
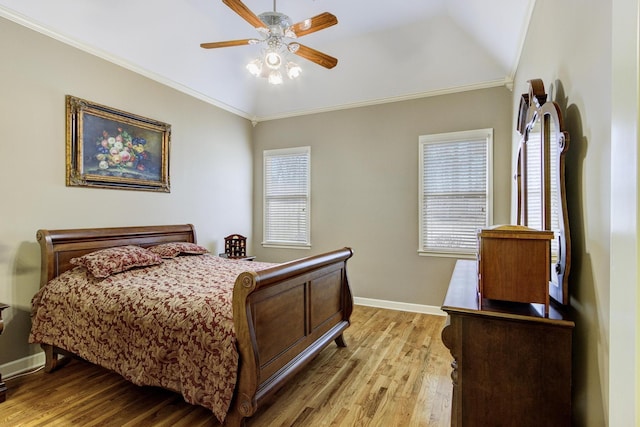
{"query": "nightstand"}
[(245, 258), (3, 387)]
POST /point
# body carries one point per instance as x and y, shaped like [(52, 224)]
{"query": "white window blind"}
[(287, 197), (455, 191)]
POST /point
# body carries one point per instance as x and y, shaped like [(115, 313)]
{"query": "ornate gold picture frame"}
[(109, 148)]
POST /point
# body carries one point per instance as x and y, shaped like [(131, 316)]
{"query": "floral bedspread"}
[(169, 325)]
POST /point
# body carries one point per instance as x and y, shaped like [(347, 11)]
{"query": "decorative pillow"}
[(106, 262), (173, 249)]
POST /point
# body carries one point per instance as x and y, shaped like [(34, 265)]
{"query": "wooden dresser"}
[(512, 365)]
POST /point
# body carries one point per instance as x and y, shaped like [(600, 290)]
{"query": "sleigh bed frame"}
[(283, 316)]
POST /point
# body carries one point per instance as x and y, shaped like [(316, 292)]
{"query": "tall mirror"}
[(540, 180)]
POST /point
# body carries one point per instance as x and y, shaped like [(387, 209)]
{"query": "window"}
[(287, 197), (455, 191)]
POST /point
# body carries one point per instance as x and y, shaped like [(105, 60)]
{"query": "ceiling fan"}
[(279, 36)]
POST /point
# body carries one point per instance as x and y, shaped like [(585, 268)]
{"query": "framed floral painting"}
[(110, 148)]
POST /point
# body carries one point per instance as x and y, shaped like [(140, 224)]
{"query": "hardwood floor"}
[(395, 371)]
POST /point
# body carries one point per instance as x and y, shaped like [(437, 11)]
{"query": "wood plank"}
[(394, 371)]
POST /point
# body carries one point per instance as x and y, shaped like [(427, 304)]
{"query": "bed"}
[(282, 315)]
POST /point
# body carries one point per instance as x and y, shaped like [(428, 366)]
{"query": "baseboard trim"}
[(20, 366), (401, 306)]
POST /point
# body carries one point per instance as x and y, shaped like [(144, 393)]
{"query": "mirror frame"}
[(536, 116)]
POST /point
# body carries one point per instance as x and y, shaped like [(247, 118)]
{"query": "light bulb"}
[(275, 78), (273, 60), (255, 67), (293, 70)]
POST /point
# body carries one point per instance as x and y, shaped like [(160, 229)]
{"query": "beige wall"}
[(210, 163), (364, 185), (568, 45)]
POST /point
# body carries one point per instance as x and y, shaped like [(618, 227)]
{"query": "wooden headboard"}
[(57, 247)]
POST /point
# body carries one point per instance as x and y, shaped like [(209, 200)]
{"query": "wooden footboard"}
[(283, 317)]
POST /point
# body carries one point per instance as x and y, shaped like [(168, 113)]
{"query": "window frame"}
[(484, 136), (284, 243)]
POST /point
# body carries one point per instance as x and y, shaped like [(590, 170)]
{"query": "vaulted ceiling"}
[(386, 50)]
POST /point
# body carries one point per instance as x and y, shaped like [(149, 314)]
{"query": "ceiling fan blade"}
[(317, 23), (228, 43), (314, 55), (245, 13)]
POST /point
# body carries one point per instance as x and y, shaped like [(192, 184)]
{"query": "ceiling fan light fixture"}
[(293, 70), (275, 30)]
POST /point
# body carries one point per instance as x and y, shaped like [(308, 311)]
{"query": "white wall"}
[(624, 359), (569, 46), (210, 163)]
